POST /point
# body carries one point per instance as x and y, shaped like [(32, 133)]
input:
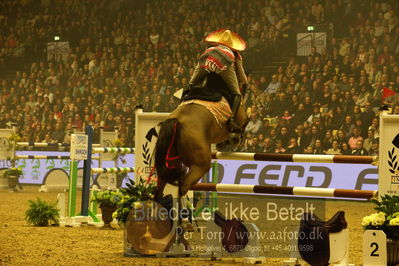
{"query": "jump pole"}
[(86, 174), (284, 190), (214, 195), (302, 158)]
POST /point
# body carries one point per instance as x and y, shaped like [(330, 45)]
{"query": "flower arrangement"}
[(12, 172), (12, 140), (387, 217), (107, 198), (133, 196)]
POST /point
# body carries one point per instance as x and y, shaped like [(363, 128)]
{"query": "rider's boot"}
[(234, 125)]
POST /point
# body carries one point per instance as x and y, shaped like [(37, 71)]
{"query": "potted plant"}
[(132, 196), (386, 219), (108, 201), (12, 174), (41, 213), (132, 199)]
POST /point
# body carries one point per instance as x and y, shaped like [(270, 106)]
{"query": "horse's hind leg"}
[(195, 173), (197, 157)]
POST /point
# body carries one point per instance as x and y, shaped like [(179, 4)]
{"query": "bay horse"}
[(183, 149)]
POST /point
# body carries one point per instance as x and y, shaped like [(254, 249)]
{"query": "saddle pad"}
[(220, 110)]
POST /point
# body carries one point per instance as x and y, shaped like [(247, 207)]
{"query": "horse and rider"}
[(210, 110)]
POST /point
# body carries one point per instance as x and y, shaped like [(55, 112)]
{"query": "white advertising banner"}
[(388, 171), (328, 175), (322, 175), (145, 139), (6, 149), (79, 144)]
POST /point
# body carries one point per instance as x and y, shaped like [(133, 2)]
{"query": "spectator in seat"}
[(375, 125), (367, 116), (317, 148), (147, 104), (374, 150), (254, 146), (265, 128), (316, 113), (364, 96), (267, 146), (356, 112), (301, 139), (346, 150), (273, 86), (284, 136), (347, 126), (282, 104), (58, 134), (359, 150), (77, 122), (273, 137), (269, 107), (334, 150), (308, 150), (254, 125), (327, 140), (279, 147), (308, 104), (293, 147), (300, 115), (368, 142), (159, 106), (354, 138), (314, 135)]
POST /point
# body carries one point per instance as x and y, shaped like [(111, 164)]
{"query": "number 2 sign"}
[(374, 248)]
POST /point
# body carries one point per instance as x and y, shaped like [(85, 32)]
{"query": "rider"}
[(224, 59)]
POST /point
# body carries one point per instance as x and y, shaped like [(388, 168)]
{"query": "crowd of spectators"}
[(124, 53)]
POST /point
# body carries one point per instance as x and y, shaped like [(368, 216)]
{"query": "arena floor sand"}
[(22, 244)]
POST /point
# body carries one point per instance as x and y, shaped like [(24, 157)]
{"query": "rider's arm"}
[(198, 75), (229, 76), (242, 78)]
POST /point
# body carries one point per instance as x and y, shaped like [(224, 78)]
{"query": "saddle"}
[(235, 234), (313, 237)]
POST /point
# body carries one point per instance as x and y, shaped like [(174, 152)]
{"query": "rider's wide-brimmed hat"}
[(227, 38)]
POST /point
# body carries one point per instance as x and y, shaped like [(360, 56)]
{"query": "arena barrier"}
[(302, 158)]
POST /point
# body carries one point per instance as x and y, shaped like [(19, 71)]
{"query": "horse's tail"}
[(167, 160)]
